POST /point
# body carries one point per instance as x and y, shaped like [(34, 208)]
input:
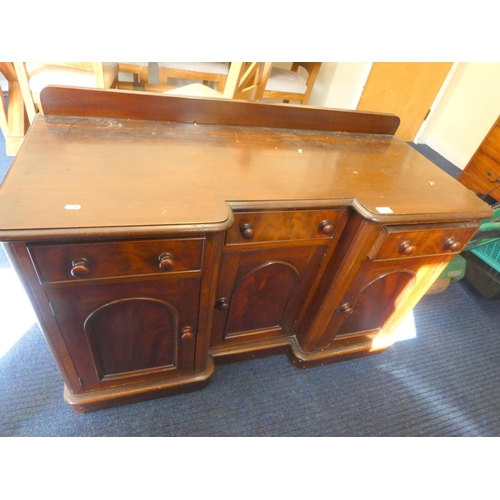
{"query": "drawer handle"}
[(452, 244), (80, 268), (326, 227), (222, 304), (187, 333), (347, 308), (407, 248), (247, 231), (166, 262)]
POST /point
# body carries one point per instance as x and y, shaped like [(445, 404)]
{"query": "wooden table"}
[(13, 121), (156, 235)]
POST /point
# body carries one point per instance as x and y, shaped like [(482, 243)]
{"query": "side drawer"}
[(102, 260), (395, 242), (260, 227)]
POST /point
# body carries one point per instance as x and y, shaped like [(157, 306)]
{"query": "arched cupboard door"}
[(378, 295), (261, 292), (262, 298), (375, 302), (132, 335), (129, 332)]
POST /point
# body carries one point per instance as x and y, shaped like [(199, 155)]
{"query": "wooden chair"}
[(290, 85), (139, 70), (13, 120), (33, 77), (245, 80), (204, 71)]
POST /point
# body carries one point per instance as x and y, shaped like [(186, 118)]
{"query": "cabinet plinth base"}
[(250, 350), (303, 359), (109, 398)]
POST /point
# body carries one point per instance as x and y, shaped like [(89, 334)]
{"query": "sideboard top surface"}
[(101, 173)]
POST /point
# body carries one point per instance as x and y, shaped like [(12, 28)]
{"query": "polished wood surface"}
[(151, 248), (239, 163)]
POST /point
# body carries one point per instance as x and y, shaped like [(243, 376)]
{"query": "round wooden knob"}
[(166, 262), (247, 231), (187, 333), (80, 268), (407, 248), (222, 304), (452, 244), (326, 227), (347, 308)]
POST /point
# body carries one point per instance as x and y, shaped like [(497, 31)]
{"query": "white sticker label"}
[(72, 207), (383, 210)]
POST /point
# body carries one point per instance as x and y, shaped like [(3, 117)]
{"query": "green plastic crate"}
[(455, 270), (483, 258), (489, 253)]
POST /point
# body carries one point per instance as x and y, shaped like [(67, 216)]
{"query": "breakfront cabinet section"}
[(118, 333), (270, 265), (120, 313), (364, 298)]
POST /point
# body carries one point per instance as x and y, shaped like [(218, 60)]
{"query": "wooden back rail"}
[(112, 103)]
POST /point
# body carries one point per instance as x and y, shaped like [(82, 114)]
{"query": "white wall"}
[(338, 84), (347, 83), (468, 108), (323, 84)]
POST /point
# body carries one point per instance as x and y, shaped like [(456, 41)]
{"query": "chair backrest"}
[(32, 99), (246, 80), (282, 83), (312, 69), (204, 71)]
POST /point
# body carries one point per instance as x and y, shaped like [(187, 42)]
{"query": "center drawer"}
[(260, 227), (126, 258)]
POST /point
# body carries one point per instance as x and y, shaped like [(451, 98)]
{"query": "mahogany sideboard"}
[(157, 236)]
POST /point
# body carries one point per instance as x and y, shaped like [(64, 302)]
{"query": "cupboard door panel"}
[(376, 302), (261, 298), (130, 335), (128, 332), (261, 292), (380, 295)]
